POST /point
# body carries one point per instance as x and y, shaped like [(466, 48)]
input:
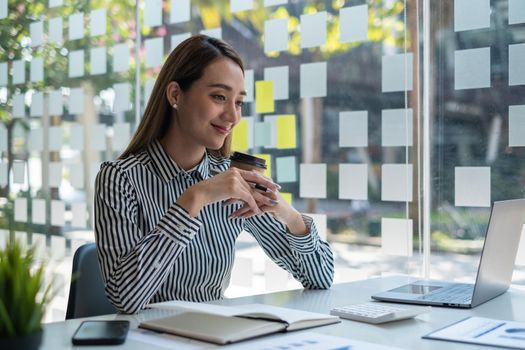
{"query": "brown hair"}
[(184, 65)]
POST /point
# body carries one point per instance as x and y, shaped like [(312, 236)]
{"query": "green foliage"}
[(21, 308)]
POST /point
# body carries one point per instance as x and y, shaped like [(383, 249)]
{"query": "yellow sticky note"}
[(268, 159), (286, 132), (240, 136), (264, 102), (287, 197)]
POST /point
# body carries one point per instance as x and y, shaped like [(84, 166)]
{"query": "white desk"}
[(404, 334)]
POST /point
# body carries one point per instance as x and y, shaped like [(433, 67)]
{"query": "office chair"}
[(86, 293)]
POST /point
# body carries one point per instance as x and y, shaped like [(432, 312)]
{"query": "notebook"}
[(228, 324)]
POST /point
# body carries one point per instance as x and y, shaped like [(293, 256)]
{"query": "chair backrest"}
[(86, 293)]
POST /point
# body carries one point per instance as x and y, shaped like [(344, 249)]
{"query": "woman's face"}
[(207, 112)]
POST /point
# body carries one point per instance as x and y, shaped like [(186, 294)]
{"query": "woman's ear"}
[(173, 94)]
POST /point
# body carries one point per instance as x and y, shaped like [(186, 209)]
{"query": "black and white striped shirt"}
[(151, 250)]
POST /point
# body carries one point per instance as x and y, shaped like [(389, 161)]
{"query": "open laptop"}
[(494, 270)]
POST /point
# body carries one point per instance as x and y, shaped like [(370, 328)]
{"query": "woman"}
[(164, 225)]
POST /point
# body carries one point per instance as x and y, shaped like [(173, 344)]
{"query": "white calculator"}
[(375, 313)]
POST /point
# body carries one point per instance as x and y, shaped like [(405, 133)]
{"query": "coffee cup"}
[(247, 162)]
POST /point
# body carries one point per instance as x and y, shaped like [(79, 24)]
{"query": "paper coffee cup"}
[(247, 162)]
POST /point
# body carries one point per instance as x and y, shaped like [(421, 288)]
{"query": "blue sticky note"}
[(262, 134), (286, 169)]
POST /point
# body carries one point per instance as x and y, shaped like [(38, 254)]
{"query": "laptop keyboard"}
[(459, 294)]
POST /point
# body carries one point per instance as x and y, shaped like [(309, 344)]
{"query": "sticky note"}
[(58, 209), (272, 120), (79, 214), (353, 129), (262, 134), (396, 182), (55, 174), (320, 222), (396, 73), (36, 33), (19, 72), (76, 101), (56, 29), (98, 137), (242, 272), (516, 69), (471, 14), (55, 3), (275, 278), (396, 236), (353, 24), (178, 38), (396, 127), (98, 60), (55, 138), (37, 104), (472, 68), (57, 245), (3, 174), (3, 9), (279, 77), (3, 74), (76, 63), (35, 171), (268, 158), (286, 169), (240, 5), (275, 2), (264, 102), (19, 105), (76, 137), (248, 85), (93, 171), (97, 22), (122, 102), (472, 186), (152, 13), (76, 175), (38, 213), (276, 35), (313, 29), (240, 136), (154, 49), (56, 103), (286, 132), (76, 26), (38, 240), (312, 180), (517, 126), (148, 88), (212, 32), (121, 136), (516, 12), (3, 138), (20, 209), (179, 11), (313, 79), (287, 197), (36, 139), (36, 69), (353, 181), (121, 56)]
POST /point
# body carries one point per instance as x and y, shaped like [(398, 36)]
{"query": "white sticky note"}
[(313, 79), (56, 103), (19, 105), (179, 11), (38, 240), (76, 63), (396, 73), (97, 22), (353, 23), (286, 169), (248, 85), (262, 134), (275, 2), (121, 55), (279, 77), (178, 38), (79, 213), (272, 120), (36, 69), (76, 175), (276, 35), (94, 168), (121, 136), (313, 29), (3, 138), (517, 126), (154, 49), (396, 127), (58, 209), (19, 72), (3, 174), (471, 14), (275, 278), (396, 236), (353, 181), (240, 5), (55, 174), (148, 88), (55, 138), (55, 3), (76, 101), (472, 186), (396, 182), (3, 74), (122, 102), (20, 209), (520, 256), (98, 137), (56, 29), (57, 245), (353, 129), (242, 272), (76, 26), (38, 213), (312, 181), (472, 68), (3, 9), (320, 221), (37, 104), (152, 13), (516, 11), (516, 67), (213, 32), (98, 60), (36, 139), (36, 33)]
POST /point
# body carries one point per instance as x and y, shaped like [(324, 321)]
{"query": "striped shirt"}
[(151, 250)]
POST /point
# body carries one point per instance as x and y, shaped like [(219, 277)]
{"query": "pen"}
[(259, 187)]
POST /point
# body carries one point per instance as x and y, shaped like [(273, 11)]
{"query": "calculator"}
[(376, 313)]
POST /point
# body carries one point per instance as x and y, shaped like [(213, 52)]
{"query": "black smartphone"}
[(112, 332)]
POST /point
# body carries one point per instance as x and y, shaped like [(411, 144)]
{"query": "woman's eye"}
[(219, 97), (240, 103)]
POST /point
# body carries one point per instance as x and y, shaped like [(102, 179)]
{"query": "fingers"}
[(258, 178)]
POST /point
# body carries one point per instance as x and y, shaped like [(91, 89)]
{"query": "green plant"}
[(21, 305)]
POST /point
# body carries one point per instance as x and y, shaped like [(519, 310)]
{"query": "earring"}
[(174, 106)]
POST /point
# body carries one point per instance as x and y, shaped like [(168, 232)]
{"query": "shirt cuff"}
[(179, 225), (308, 243)]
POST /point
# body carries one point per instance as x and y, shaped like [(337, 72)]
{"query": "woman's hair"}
[(184, 65)]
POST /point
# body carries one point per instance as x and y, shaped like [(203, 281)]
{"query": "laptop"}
[(494, 271)]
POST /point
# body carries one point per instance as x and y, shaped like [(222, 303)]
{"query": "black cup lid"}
[(248, 159)]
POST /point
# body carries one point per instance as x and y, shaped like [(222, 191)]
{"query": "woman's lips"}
[(221, 130)]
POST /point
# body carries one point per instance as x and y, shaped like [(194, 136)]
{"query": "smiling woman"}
[(166, 212)]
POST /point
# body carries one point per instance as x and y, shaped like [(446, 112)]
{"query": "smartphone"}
[(111, 332)]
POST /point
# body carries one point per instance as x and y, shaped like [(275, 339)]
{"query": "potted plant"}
[(23, 297)]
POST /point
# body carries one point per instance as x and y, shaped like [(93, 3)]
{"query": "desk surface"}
[(404, 334)]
